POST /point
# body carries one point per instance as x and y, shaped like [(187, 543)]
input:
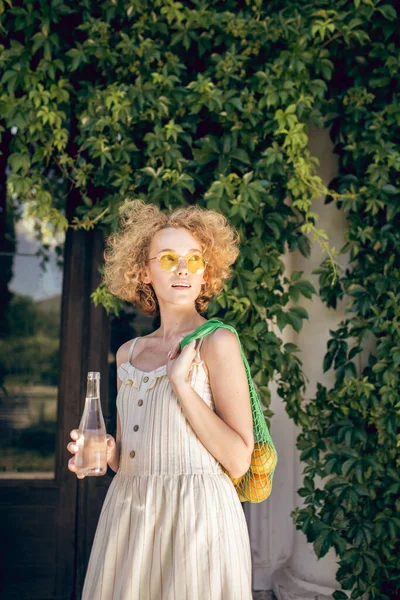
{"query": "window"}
[(30, 288)]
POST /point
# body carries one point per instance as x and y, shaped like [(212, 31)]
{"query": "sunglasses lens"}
[(196, 263), (168, 261)]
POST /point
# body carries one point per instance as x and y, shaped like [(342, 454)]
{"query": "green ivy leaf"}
[(322, 544), (299, 311), (338, 595), (388, 188), (388, 11)]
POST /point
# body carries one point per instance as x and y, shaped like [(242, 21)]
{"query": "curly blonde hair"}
[(127, 251)]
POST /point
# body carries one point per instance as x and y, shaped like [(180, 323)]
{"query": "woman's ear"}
[(146, 277)]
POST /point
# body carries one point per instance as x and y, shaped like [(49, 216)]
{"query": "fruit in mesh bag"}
[(259, 487), (235, 480), (263, 459), (256, 484)]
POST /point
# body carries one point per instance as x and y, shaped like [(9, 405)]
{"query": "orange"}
[(263, 459), (259, 487)]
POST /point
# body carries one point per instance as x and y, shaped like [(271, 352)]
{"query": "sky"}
[(29, 278)]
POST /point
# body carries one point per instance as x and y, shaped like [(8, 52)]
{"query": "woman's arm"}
[(228, 433)]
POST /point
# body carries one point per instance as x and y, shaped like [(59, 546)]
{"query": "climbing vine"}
[(202, 103), (351, 437)]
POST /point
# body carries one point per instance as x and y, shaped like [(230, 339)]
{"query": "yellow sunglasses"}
[(169, 261)]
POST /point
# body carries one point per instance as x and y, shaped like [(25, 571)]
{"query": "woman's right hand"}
[(73, 448)]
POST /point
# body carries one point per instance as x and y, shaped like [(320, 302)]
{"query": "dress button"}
[(140, 402), (132, 453), (136, 428), (145, 379)]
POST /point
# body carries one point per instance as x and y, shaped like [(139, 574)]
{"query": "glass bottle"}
[(91, 460)]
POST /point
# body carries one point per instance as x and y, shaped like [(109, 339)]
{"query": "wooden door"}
[(47, 524)]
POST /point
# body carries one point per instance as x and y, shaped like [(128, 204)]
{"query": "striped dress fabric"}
[(171, 526)]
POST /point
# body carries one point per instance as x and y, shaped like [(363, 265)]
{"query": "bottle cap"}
[(93, 375)]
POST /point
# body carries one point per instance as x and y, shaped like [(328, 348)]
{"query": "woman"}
[(172, 526)]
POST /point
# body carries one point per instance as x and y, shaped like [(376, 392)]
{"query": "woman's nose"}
[(181, 266)]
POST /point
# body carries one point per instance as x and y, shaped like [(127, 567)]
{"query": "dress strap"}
[(198, 347), (131, 348)]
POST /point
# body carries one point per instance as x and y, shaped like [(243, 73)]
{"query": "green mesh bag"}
[(255, 485)]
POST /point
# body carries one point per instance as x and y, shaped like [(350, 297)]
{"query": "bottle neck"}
[(93, 388)]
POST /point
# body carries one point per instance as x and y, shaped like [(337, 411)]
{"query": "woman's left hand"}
[(180, 361)]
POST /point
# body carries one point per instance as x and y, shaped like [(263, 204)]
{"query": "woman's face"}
[(180, 241)]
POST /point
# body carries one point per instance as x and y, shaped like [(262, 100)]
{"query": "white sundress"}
[(171, 526)]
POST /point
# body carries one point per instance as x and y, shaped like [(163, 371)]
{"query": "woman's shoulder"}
[(123, 351), (221, 342), (221, 338)]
